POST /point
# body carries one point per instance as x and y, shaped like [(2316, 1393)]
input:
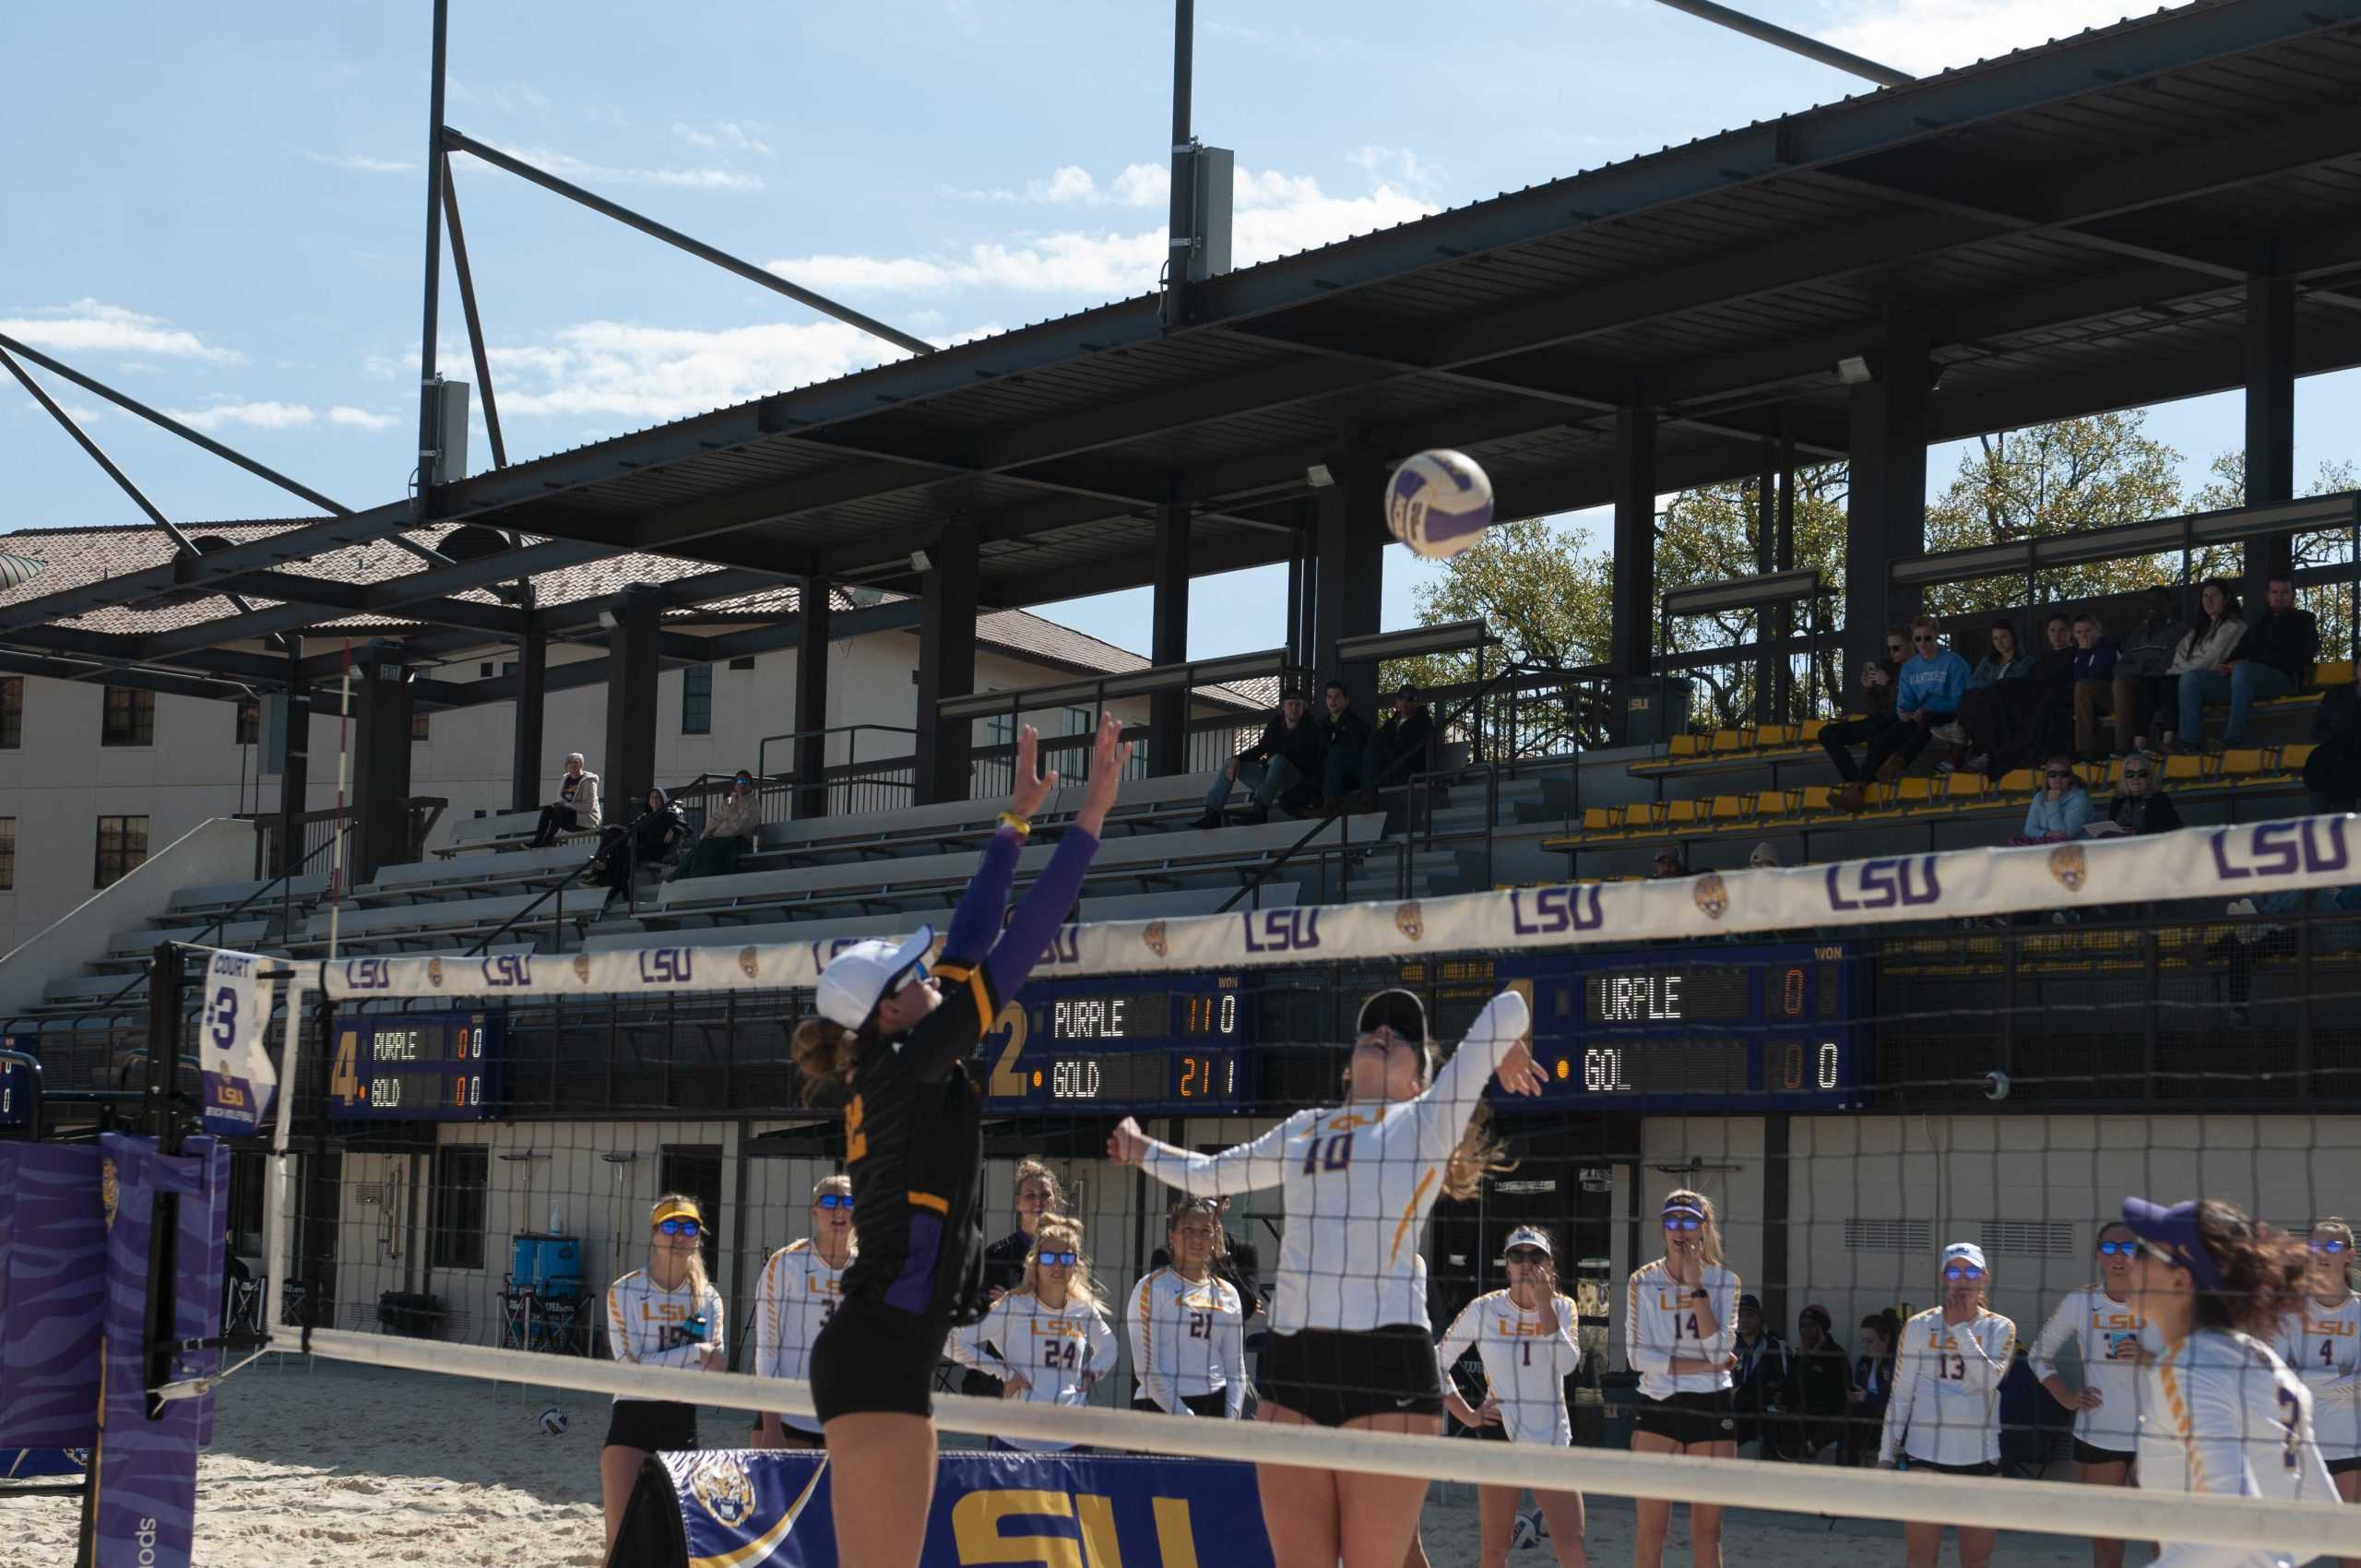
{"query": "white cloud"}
[(728, 134), (1925, 36), (629, 372), (92, 326), (572, 168), (1398, 165), (260, 416), (360, 163), (359, 418)]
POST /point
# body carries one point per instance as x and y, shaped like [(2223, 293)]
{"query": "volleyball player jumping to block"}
[(1349, 1343), (888, 1033)]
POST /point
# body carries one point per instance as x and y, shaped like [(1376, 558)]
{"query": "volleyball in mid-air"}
[(552, 1423), (1439, 502)]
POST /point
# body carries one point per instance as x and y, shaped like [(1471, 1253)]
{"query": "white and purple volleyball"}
[(1439, 504)]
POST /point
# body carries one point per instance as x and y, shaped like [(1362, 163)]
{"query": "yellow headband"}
[(678, 1209)]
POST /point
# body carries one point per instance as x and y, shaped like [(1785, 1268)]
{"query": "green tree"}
[(2332, 603)]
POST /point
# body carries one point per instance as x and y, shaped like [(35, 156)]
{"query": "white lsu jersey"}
[(2223, 1414), (648, 1325), (1358, 1183), (1188, 1339), (2322, 1347), (1946, 1404), (2108, 1335), (1660, 1322), (1054, 1349), (1525, 1367), (794, 1300)]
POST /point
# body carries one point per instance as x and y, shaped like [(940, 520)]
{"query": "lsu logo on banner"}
[(1064, 950), (2281, 849), (668, 966), (508, 972), (367, 974), (1547, 912), (1282, 931), (1909, 881)]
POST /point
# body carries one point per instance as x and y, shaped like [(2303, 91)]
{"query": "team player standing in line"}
[(1046, 1341), (667, 1314), (1945, 1414), (2105, 1328), (800, 1290), (1350, 1342), (1526, 1336), (1680, 1335), (2319, 1339), (1187, 1324)]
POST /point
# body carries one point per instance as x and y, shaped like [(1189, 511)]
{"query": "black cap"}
[(1409, 691), (1750, 1300), (1398, 1010)]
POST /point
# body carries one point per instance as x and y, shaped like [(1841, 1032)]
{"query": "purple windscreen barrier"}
[(53, 1285)]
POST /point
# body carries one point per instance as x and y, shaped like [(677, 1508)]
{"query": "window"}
[(130, 718), (12, 713), (421, 728), (7, 854), (454, 1221), (249, 724), (744, 661), (697, 700), (122, 848)]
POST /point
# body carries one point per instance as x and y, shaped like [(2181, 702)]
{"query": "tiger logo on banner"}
[(2070, 866), (748, 961), (1152, 936), (582, 968), (1713, 895), (718, 1483), (1410, 920)]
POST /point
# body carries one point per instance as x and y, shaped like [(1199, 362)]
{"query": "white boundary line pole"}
[(278, 1260), (343, 776), (2121, 1513)]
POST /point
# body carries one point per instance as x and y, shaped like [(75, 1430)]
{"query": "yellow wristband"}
[(1009, 819)]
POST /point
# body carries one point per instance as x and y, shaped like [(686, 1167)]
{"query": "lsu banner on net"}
[(238, 1077), (749, 1509)]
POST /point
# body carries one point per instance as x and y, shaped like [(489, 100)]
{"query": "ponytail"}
[(2262, 1272), (1478, 1155), (825, 1051)]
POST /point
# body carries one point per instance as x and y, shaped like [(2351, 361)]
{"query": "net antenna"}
[(1793, 43)]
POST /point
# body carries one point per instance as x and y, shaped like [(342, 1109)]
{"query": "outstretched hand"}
[(1033, 787), (1126, 1143), (1109, 754), (1519, 1073)]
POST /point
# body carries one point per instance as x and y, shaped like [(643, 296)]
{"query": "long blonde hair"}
[(1059, 1233), (2342, 1228), (1709, 1233), (699, 1281), (1034, 1171), (825, 1051)]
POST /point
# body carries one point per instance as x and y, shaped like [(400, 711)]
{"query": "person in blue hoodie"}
[(1929, 689)]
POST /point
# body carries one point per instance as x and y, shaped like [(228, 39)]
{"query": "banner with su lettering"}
[(750, 1509), (2204, 865)]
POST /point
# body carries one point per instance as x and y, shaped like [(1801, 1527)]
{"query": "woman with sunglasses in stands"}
[(2319, 1338), (1680, 1336), (2106, 1329), (894, 1041), (1349, 1343), (667, 1314), (1057, 1342), (798, 1292), (1945, 1414)]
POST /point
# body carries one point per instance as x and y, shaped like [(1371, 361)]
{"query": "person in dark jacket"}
[(2094, 659), (2144, 702), (2332, 772), (1874, 707), (1348, 735), (2138, 806), (1286, 765), (1872, 1385), (1821, 1392), (2273, 660), (1759, 1392), (1402, 746), (650, 840), (2014, 723)]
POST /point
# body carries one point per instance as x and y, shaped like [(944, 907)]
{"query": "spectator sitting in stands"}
[(2094, 658), (575, 810), (2273, 660), (1402, 746), (2144, 696), (1875, 708), (1765, 857), (2061, 808), (2332, 772), (1758, 1390), (729, 825), (1927, 690), (2211, 638), (623, 848), (2013, 722), (1284, 763), (2138, 806), (1670, 865), (1346, 735), (1821, 1390), (1872, 1385), (2006, 661)]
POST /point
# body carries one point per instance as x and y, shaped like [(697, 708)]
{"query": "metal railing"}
[(319, 827)]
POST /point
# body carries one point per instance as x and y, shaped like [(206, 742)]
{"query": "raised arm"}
[(1249, 1168), (1045, 905), (1494, 1045), (1984, 1369)]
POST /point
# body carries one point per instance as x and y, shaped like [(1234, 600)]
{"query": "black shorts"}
[(1216, 1404), (872, 1359), (1988, 1467), (2091, 1454), (652, 1426), (1330, 1376), (1688, 1418), (2345, 1466)]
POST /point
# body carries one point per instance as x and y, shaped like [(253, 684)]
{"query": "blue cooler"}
[(541, 1259)]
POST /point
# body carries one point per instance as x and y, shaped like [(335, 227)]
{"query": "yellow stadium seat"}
[(1814, 801), (1727, 740), (2336, 672), (1965, 786), (1733, 808), (1641, 816), (2293, 758), (2242, 762), (2184, 769), (1812, 727), (1602, 819), (1775, 736), (2017, 781), (1913, 790), (1688, 745), (2096, 774), (1679, 813)]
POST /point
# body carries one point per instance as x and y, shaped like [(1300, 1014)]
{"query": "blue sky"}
[(220, 208)]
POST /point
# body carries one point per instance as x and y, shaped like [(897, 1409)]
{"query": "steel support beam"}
[(633, 660), (1886, 511), (1810, 49), (380, 755), (1349, 540), (2270, 426), (525, 760), (947, 664), (1633, 596), (811, 761), (1168, 745), (295, 777), (475, 320), (429, 413)]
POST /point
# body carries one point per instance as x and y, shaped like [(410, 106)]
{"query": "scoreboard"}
[(416, 1066), (1175, 1044)]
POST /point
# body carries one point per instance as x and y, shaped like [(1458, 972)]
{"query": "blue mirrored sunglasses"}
[(1683, 1222), (1963, 1271), (834, 1200), (679, 1227), (2331, 1246), (1527, 1255), (2119, 1249), (1057, 1260)]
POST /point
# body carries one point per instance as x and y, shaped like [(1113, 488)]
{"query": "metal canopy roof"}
[(2075, 226)]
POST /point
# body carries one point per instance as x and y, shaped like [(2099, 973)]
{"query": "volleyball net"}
[(1883, 1074)]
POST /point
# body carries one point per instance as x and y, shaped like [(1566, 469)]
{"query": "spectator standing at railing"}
[(729, 825), (1286, 765), (1347, 737), (1927, 691), (2094, 660), (1402, 746), (2146, 701), (2214, 635), (1874, 704), (2061, 808), (575, 810), (2273, 660)]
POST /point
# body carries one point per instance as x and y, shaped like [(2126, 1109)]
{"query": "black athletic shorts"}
[(1687, 1418), (652, 1426), (871, 1358), (2091, 1454), (2345, 1466), (1215, 1404), (1330, 1376), (1988, 1467)]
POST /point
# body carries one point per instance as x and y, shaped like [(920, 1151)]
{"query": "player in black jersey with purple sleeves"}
[(897, 1040)]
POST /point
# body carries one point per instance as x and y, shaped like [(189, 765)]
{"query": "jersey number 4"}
[(1334, 1153)]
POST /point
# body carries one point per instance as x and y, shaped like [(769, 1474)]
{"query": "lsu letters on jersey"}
[(1187, 1339), (1524, 1366), (1946, 1404), (1060, 1351), (1660, 1322), (653, 1326), (2107, 1334), (2322, 1347), (2222, 1414), (797, 1295)]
